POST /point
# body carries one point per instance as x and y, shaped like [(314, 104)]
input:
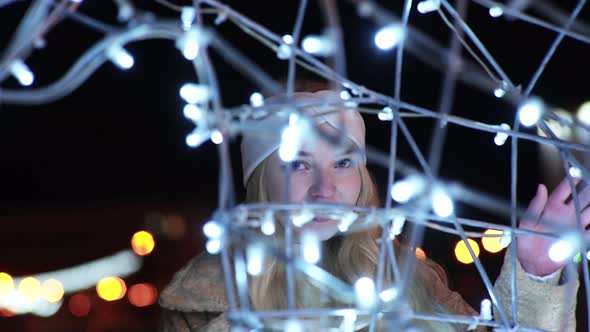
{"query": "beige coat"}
[(195, 298)]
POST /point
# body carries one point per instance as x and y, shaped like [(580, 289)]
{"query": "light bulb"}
[(575, 172), (397, 226), (194, 93), (564, 248), (255, 257), (388, 294), (386, 114), (318, 45), (120, 57), (310, 246), (583, 114), (499, 92), (187, 16), (212, 230), (404, 190), (389, 36), (290, 139), (288, 39), (346, 221), (302, 218), (500, 137), (22, 73), (216, 137), (485, 312), (192, 112), (256, 99), (364, 289), (442, 204), (196, 138), (530, 111), (496, 11), (268, 224), (213, 246), (428, 6)]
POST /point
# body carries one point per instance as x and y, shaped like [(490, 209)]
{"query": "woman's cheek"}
[(300, 183)]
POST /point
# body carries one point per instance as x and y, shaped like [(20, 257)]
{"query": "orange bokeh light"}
[(142, 295), (79, 305), (462, 253), (111, 288), (52, 290), (29, 289), (143, 243), (420, 254), (492, 244), (6, 284)]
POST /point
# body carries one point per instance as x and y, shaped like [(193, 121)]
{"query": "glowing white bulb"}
[(575, 172), (196, 138), (397, 226), (428, 6), (187, 16), (310, 246), (348, 319), (194, 93), (499, 92), (442, 204), (389, 36), (501, 138), (364, 289), (22, 73), (192, 112), (403, 190), (268, 224), (288, 39), (290, 139), (302, 218), (346, 221), (583, 114), (255, 257), (388, 294), (386, 114), (212, 230), (284, 52), (485, 312), (530, 111), (213, 246), (256, 99), (496, 11), (120, 57), (125, 11), (506, 239), (588, 255), (216, 137), (190, 48), (293, 325), (564, 248), (318, 45)]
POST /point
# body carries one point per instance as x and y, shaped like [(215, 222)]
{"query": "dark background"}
[(78, 176)]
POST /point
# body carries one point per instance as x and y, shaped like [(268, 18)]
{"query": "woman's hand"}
[(533, 251)]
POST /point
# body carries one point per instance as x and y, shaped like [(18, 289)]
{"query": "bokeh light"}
[(6, 284), (142, 243), (52, 290), (462, 253), (142, 295), (420, 254), (111, 288), (492, 244), (79, 305), (29, 289)]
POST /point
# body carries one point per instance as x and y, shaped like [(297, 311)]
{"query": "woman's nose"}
[(323, 186)]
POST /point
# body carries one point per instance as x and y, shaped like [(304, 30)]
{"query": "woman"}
[(336, 173)]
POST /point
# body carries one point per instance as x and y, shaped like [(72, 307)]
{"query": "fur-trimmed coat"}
[(195, 298)]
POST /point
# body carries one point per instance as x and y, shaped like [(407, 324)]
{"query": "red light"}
[(79, 305), (142, 295)]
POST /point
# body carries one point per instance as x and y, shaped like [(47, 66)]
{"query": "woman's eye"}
[(297, 165), (344, 163)]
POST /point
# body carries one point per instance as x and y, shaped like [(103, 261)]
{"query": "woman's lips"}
[(322, 219)]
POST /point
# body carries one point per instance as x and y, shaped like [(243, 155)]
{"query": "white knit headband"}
[(256, 147)]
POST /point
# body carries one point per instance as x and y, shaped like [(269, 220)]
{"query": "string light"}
[(501, 137), (189, 44), (364, 289), (575, 172), (268, 224), (492, 243), (397, 226), (255, 258), (192, 112), (187, 16), (6, 284), (506, 239), (29, 289), (386, 114), (212, 230), (290, 139), (427, 6), (302, 218), (346, 221), (194, 93), (197, 137), (565, 248), (388, 294), (216, 137), (256, 99), (22, 73), (404, 190), (143, 243), (52, 290), (485, 311), (213, 246), (389, 36), (310, 246), (496, 11), (120, 57), (348, 321), (111, 288), (284, 51), (442, 204), (499, 92), (420, 254), (530, 111), (583, 113), (318, 45), (142, 295)]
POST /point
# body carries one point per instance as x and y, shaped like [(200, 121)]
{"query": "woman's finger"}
[(563, 190), (536, 205)]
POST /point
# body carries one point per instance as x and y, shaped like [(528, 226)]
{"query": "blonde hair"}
[(347, 257)]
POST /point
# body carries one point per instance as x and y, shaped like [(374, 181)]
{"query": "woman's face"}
[(321, 173)]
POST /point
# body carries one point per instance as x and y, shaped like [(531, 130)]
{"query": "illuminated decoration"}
[(565, 248), (256, 99), (255, 258), (429, 202), (142, 295), (143, 243), (462, 253), (111, 288), (310, 247), (364, 289), (52, 290), (485, 311), (79, 305), (6, 284), (492, 244), (583, 114), (420, 254), (389, 36), (530, 112), (29, 289)]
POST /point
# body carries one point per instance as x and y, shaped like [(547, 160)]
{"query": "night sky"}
[(78, 175)]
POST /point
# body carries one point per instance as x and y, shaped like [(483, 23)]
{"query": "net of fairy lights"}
[(243, 235)]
